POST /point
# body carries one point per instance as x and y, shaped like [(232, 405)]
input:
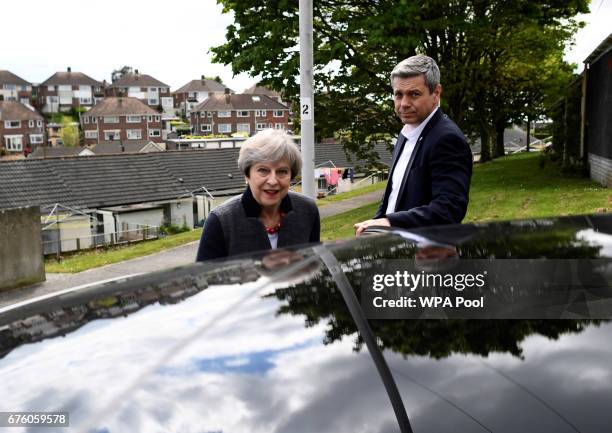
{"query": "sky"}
[(167, 40)]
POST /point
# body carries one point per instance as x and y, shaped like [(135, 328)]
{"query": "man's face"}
[(413, 100)]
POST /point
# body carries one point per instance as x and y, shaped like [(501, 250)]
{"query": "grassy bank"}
[(518, 186), (92, 259)]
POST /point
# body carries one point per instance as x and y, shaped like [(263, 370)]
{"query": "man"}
[(432, 162)]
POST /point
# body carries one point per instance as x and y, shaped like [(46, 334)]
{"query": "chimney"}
[(69, 69), (203, 79), (136, 71), (227, 95)]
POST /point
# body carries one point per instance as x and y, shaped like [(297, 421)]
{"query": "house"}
[(596, 129), (68, 90), (110, 195), (122, 119), (244, 113), (60, 151), (149, 90), (262, 90), (14, 88), (21, 129), (195, 92), (132, 146)]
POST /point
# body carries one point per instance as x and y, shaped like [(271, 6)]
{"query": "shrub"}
[(173, 229)]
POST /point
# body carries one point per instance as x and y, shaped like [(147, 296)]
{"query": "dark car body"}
[(270, 343)]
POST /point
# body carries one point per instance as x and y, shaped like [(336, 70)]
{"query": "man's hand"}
[(360, 227)]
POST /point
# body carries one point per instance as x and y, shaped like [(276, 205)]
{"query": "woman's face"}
[(269, 182)]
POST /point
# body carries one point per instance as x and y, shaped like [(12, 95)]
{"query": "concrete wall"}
[(151, 217), (181, 212), (21, 257), (73, 228)]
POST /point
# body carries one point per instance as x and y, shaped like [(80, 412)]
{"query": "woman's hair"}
[(269, 145)]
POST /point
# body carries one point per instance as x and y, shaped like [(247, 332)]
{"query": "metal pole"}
[(306, 98)]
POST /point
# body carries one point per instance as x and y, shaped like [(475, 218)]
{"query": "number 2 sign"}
[(305, 108)]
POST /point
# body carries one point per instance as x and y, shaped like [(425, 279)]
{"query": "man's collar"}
[(252, 209), (412, 133)]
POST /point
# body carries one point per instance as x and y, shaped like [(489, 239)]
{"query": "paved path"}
[(167, 259), (337, 207)]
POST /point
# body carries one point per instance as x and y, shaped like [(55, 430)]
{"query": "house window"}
[(149, 118), (167, 102), (85, 101), (260, 126), (202, 113), (111, 119), (39, 123), (279, 126), (224, 128), (111, 135), (91, 134), (10, 87), (224, 114), (243, 127), (85, 119), (260, 113), (134, 134), (13, 143), (94, 120), (210, 114), (157, 118), (51, 88), (205, 128), (153, 101), (242, 113), (278, 113), (36, 138), (12, 124), (31, 124), (154, 133), (153, 89), (133, 119), (24, 88), (52, 99)]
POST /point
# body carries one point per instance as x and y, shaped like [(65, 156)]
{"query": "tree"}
[(357, 43), (118, 73), (69, 134)]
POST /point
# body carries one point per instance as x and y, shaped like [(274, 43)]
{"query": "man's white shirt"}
[(412, 134)]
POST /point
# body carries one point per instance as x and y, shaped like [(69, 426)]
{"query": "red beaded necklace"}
[(274, 229)]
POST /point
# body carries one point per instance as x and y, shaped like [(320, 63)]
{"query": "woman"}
[(266, 215)]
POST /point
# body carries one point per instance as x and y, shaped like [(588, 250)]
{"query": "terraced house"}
[(245, 113), (15, 88), (149, 90), (121, 119), (66, 90), (21, 129), (195, 92)]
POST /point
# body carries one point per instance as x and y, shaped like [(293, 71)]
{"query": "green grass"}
[(341, 225), (518, 187), (512, 187), (92, 259)]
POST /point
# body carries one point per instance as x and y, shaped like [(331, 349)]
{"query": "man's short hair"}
[(270, 146), (418, 65)]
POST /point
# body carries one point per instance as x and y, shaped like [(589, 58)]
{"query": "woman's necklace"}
[(275, 228)]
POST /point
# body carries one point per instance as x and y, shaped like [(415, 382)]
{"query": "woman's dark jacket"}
[(234, 227)]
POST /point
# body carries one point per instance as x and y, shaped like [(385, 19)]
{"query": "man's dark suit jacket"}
[(437, 182)]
